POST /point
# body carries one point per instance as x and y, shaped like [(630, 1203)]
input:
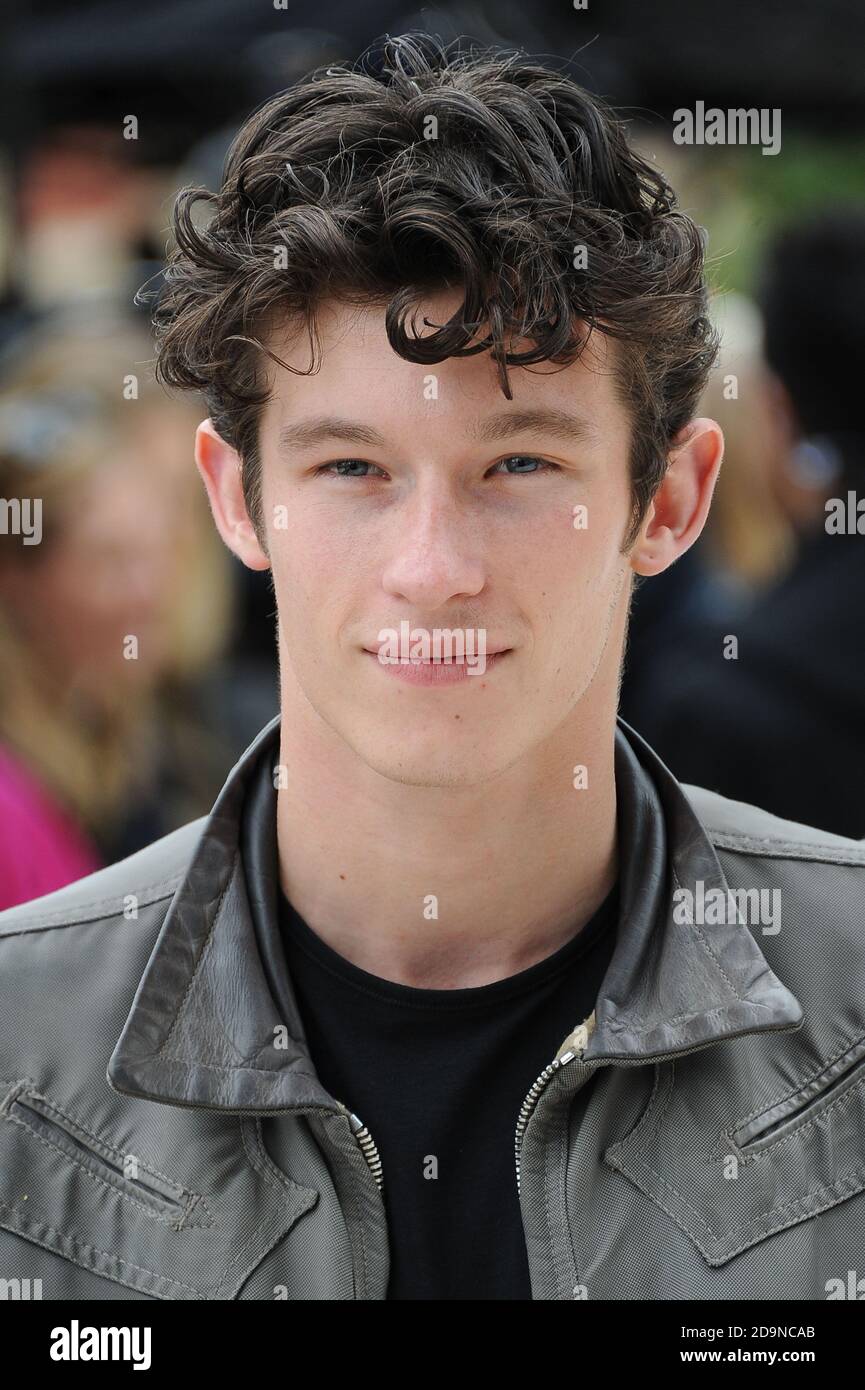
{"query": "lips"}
[(438, 674), (441, 661)]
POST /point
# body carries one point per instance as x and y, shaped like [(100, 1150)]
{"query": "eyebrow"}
[(561, 424)]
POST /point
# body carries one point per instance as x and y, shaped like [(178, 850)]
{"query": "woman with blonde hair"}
[(112, 592)]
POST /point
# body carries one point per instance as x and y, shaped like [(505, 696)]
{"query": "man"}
[(457, 993), (796, 680)]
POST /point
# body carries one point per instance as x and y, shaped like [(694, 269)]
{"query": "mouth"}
[(439, 671), (439, 661)]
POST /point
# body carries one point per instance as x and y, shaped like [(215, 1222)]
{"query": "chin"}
[(422, 762)]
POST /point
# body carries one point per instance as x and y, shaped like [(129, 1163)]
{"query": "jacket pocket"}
[(831, 1086), (83, 1200), (731, 1190), (152, 1193)]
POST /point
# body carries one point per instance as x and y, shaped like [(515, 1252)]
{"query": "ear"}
[(678, 511), (220, 467)]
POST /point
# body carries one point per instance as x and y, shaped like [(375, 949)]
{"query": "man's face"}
[(445, 516)]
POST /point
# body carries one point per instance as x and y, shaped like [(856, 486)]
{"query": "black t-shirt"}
[(438, 1076)]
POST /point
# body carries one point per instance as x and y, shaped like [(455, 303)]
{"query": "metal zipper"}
[(580, 1040), (365, 1143), (573, 1046)]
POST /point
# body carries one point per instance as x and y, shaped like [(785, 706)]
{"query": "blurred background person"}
[(108, 620), (749, 538), (745, 540), (776, 717)]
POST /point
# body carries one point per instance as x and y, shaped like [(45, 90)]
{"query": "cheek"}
[(312, 587), (571, 562), (315, 554), (576, 588)]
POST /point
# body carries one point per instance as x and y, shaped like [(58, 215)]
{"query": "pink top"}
[(41, 847)]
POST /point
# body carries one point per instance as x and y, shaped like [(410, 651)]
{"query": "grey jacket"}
[(163, 1133)]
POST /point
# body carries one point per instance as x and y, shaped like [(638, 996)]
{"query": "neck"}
[(446, 888)]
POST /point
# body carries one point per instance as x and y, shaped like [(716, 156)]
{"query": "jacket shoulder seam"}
[(775, 847), (102, 909)]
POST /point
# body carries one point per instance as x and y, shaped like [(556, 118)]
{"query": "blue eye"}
[(344, 464), (526, 458)]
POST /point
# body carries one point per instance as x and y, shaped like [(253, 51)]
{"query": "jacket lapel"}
[(212, 1024), (675, 986)]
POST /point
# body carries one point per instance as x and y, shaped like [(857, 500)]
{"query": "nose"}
[(435, 553)]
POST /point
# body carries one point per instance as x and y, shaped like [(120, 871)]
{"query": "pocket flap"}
[(74, 1193), (728, 1197)]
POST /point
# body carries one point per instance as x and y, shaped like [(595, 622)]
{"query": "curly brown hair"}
[(420, 167)]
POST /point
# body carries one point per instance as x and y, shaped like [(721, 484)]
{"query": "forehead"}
[(357, 366)]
